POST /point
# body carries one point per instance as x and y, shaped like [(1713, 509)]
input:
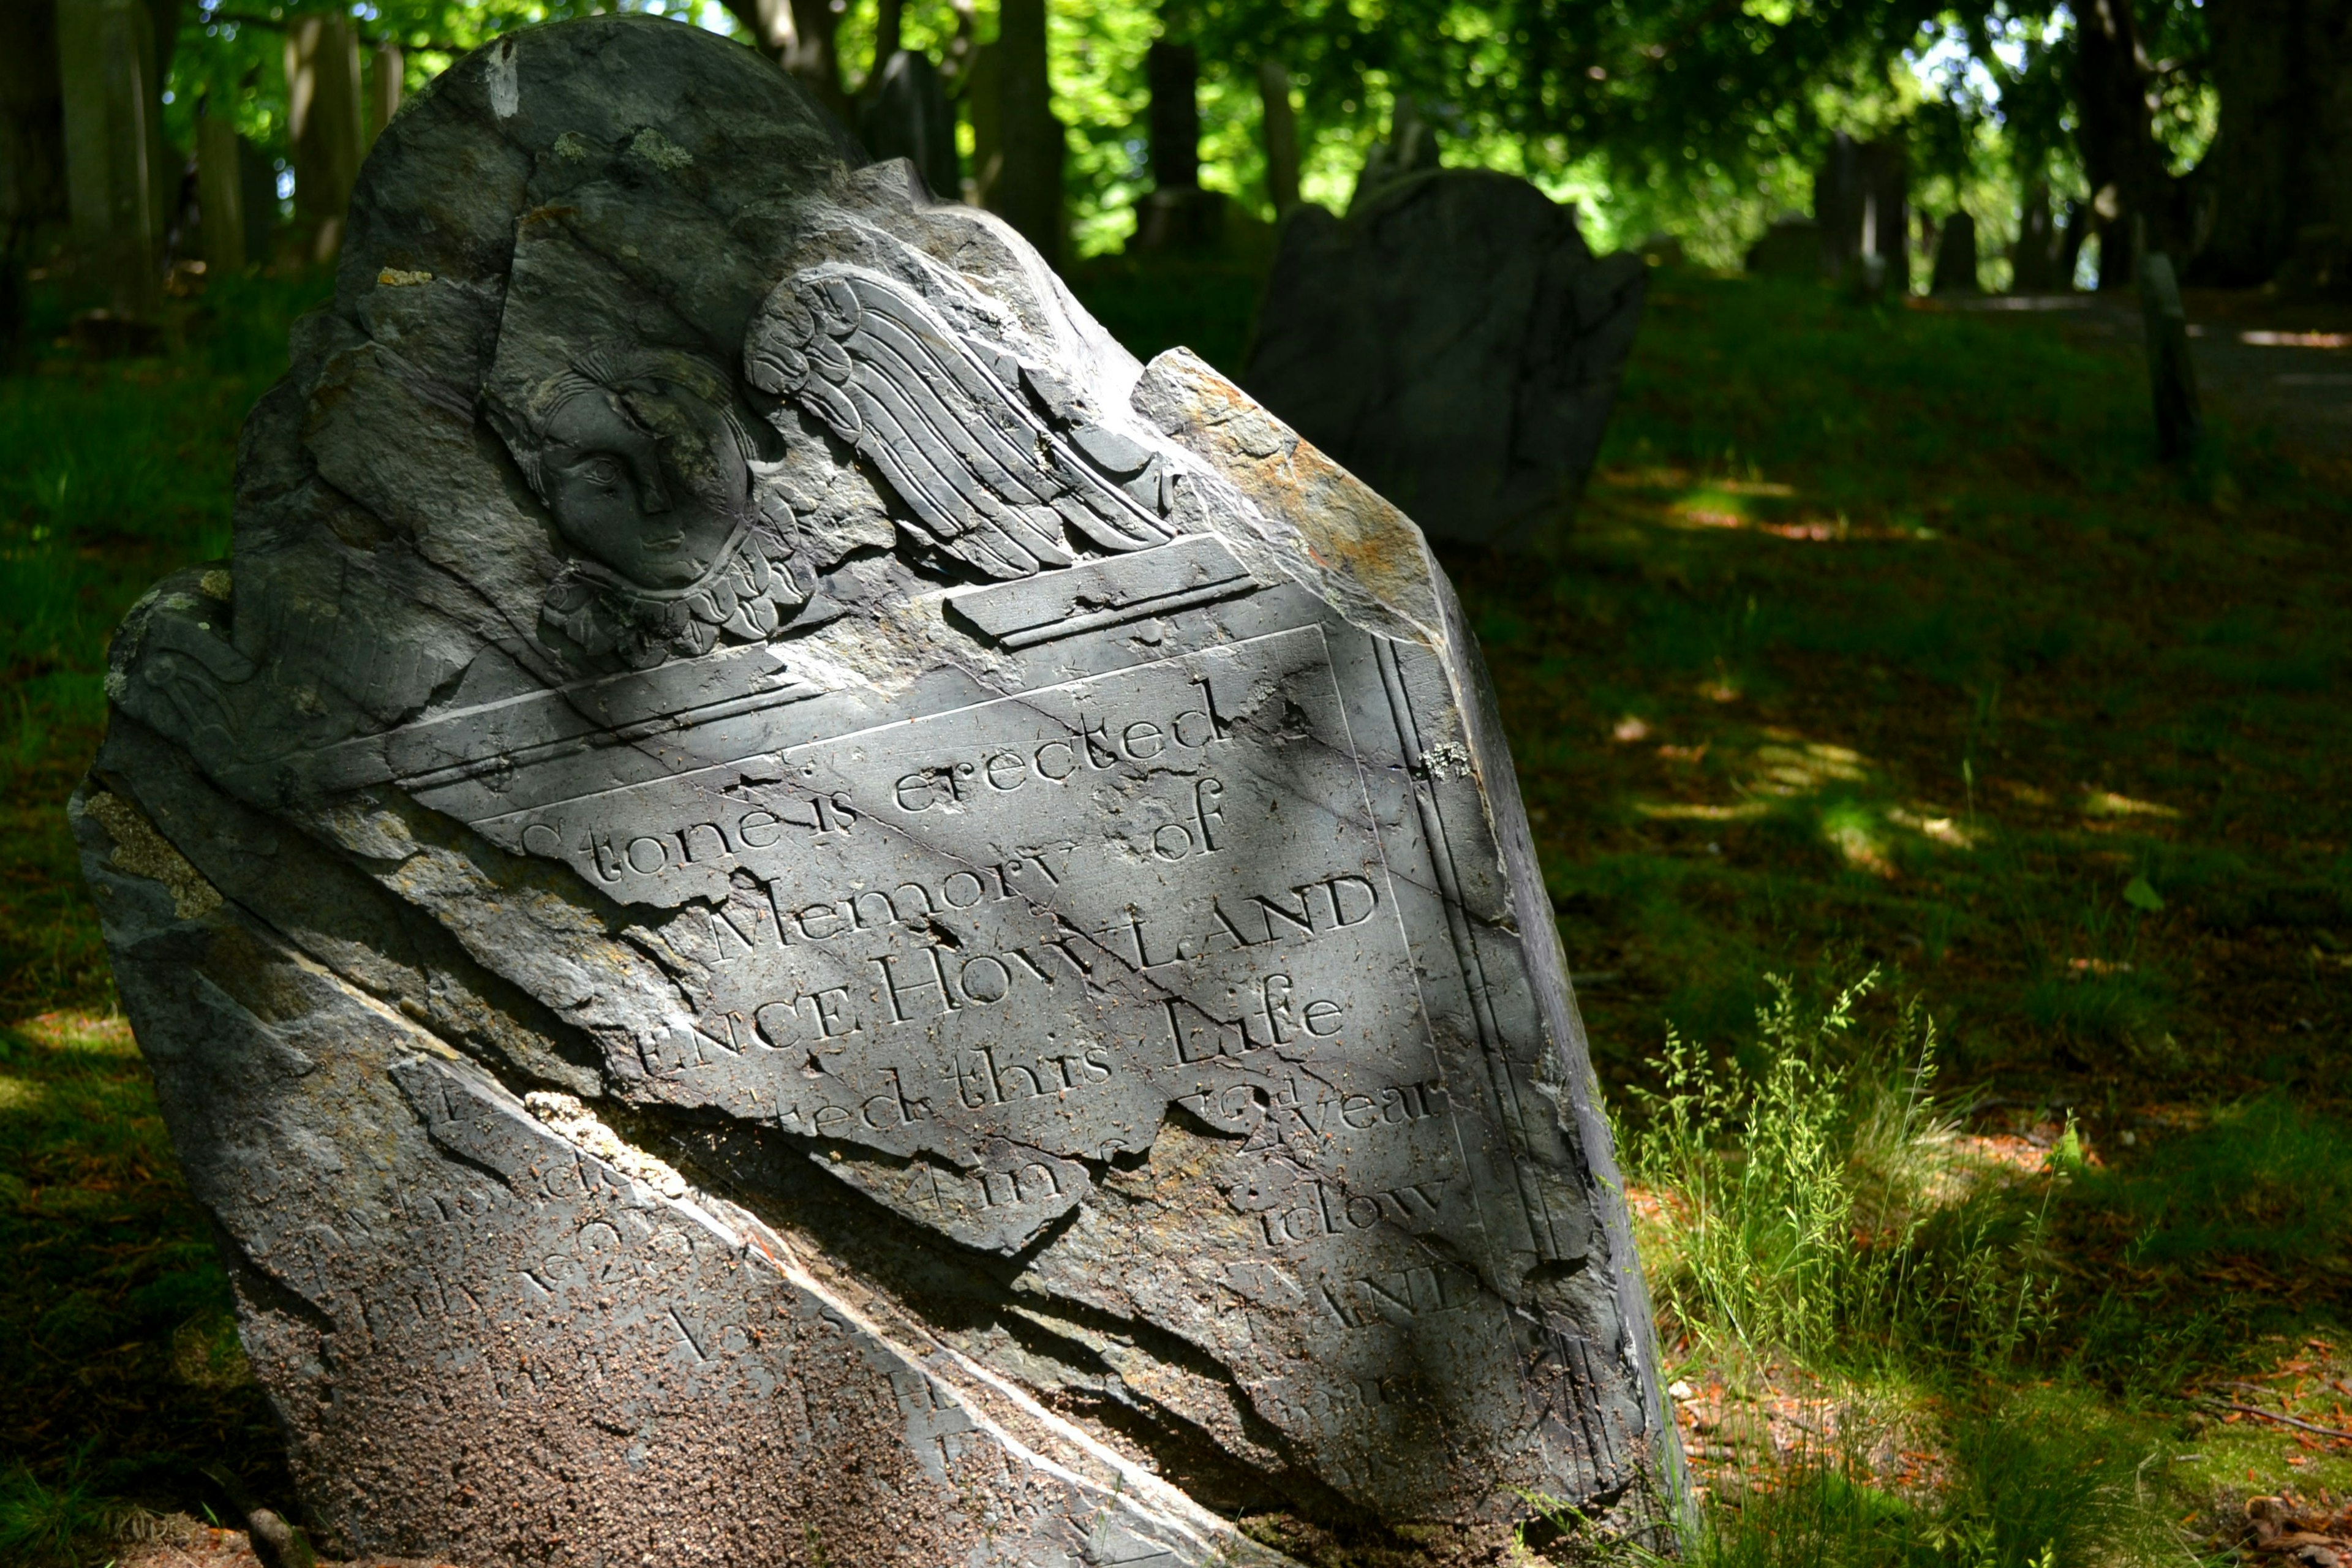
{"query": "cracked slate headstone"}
[(1454, 341), (791, 912)]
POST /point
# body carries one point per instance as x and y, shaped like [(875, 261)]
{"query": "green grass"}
[(120, 1369), (120, 1359), (1879, 644), (1882, 627)]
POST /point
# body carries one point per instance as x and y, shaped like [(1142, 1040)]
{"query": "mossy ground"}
[(1878, 639)]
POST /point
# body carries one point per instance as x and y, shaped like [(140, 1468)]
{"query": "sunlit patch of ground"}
[(1746, 1439)]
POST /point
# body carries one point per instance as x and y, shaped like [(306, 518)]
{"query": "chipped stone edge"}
[(1315, 521)]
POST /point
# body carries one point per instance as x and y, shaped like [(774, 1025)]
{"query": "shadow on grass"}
[(1876, 640)]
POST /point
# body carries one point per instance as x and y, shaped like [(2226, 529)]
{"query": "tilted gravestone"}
[(791, 912), (1455, 341)]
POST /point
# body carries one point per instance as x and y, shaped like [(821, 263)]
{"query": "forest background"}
[(2217, 126)]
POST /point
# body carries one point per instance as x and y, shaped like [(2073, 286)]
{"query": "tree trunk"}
[(32, 117), (32, 149), (1281, 135), (798, 35), (220, 196), (105, 53), (985, 104), (387, 74), (2117, 140), (2278, 162), (816, 58), (2172, 375), (1028, 192), (322, 124), (1173, 72), (889, 27), (770, 22)]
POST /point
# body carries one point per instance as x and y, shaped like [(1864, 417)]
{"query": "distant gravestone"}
[(2171, 374), (1454, 343), (2035, 261), (1956, 256), (788, 911), (1791, 247)]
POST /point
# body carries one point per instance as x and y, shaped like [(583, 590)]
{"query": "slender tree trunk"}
[(889, 19), (2120, 153), (1028, 192), (2172, 375), (799, 34), (1174, 73), (1281, 135), (770, 22), (220, 196), (322, 124), (104, 57), (32, 116), (387, 75)]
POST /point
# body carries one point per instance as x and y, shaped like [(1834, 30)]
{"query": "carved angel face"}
[(646, 458), (647, 480)]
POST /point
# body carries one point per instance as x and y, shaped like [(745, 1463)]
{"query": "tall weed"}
[(1823, 1212)]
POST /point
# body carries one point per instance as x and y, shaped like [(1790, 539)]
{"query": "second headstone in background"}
[(1455, 342), (1956, 256)]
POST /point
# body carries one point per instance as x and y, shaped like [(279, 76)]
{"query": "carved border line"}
[(1465, 951)]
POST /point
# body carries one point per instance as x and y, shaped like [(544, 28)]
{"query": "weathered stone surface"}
[(790, 913), (1454, 341)]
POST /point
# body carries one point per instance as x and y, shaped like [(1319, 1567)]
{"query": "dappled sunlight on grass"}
[(1836, 789), (1682, 502), (2107, 803), (2057, 745), (1746, 811), (1787, 766), (101, 1034)]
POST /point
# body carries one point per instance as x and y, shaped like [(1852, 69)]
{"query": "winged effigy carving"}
[(984, 474)]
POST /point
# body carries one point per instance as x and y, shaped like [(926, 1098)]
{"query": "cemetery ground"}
[(1946, 812)]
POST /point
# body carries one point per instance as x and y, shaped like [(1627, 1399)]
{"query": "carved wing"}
[(987, 478)]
